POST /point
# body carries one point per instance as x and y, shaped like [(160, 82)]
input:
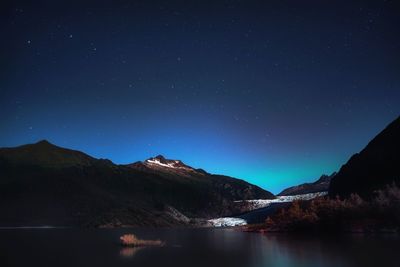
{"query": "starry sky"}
[(274, 92)]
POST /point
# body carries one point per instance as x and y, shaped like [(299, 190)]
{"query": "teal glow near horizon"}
[(274, 92), (279, 167)]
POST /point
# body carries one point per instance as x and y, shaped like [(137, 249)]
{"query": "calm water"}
[(192, 247)]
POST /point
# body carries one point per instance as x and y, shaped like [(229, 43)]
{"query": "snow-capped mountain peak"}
[(168, 163)]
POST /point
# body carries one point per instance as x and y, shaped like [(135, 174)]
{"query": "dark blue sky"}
[(275, 92)]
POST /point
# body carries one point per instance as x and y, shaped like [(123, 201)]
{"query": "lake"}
[(193, 247)]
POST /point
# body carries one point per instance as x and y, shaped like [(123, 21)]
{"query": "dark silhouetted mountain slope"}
[(322, 184), (377, 165), (45, 184)]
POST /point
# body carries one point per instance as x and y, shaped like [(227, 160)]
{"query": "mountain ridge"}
[(45, 153), (373, 167), (42, 183), (320, 185)]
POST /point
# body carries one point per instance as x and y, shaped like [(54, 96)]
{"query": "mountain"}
[(45, 154), (160, 164), (228, 188), (43, 184), (321, 185), (373, 168)]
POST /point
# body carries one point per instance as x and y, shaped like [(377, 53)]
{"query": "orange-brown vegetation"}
[(353, 214)]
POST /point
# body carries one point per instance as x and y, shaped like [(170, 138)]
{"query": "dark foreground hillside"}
[(42, 184), (374, 167)]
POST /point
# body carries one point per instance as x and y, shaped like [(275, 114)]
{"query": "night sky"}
[(275, 92)]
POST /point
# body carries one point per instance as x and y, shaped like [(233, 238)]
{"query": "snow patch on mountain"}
[(158, 162), (227, 222), (167, 163), (258, 204), (262, 203)]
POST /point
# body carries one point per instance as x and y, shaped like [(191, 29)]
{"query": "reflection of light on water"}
[(129, 252)]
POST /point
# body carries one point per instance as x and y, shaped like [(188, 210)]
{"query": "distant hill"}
[(377, 165), (43, 184), (321, 185)]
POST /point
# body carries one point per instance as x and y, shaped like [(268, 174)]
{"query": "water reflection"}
[(129, 252), (194, 248), (281, 250), (327, 251)]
